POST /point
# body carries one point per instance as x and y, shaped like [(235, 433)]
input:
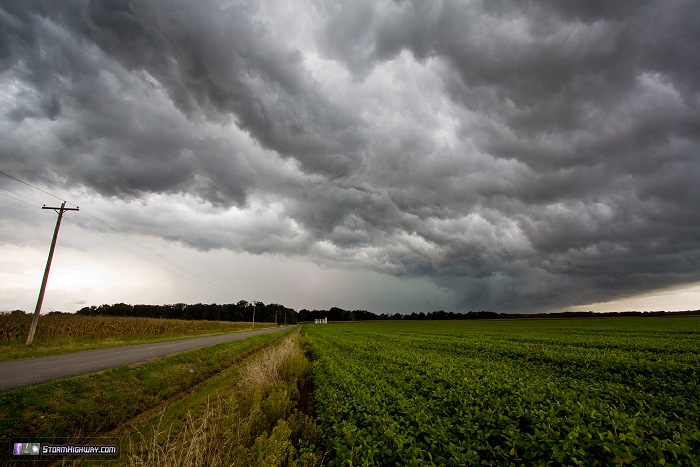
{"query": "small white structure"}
[(321, 321)]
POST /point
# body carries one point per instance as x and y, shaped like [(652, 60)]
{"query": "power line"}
[(30, 185), (107, 239), (150, 251), (20, 195), (155, 263), (17, 199), (131, 251)]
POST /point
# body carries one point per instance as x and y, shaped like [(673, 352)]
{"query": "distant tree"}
[(122, 309), (280, 312), (335, 314), (88, 311), (364, 315), (303, 315)]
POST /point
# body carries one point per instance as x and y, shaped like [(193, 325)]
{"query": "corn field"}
[(15, 327)]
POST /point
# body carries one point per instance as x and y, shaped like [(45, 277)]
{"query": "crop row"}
[(507, 393)]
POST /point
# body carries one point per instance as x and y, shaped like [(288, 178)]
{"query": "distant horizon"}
[(314, 310)]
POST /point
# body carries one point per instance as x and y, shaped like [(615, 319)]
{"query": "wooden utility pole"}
[(59, 211)]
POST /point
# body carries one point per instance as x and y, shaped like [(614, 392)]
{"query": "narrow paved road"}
[(30, 371)]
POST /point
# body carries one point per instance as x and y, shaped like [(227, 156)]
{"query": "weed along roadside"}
[(120, 402), (249, 416), (67, 333)]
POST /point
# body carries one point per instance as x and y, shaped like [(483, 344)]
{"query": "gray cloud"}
[(523, 156)]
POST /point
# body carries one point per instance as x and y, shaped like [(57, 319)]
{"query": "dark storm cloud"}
[(238, 68), (520, 154), (81, 58), (79, 114), (598, 105)]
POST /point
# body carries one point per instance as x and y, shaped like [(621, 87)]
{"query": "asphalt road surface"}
[(30, 371)]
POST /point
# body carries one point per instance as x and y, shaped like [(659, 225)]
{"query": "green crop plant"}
[(546, 392)]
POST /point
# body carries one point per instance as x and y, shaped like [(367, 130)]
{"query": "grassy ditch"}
[(58, 334), (248, 417), (83, 407)]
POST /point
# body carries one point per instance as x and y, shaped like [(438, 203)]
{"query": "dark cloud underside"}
[(522, 155)]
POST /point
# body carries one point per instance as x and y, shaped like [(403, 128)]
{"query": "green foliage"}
[(254, 418), (241, 311), (574, 392), (94, 404)]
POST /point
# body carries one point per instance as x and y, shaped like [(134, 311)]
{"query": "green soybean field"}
[(604, 391)]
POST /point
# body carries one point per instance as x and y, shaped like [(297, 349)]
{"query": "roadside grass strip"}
[(527, 392), (84, 407), (248, 417)]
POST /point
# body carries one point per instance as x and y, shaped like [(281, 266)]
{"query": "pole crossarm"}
[(61, 208), (37, 310)]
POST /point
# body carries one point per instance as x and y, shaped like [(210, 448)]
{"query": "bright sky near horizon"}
[(394, 156)]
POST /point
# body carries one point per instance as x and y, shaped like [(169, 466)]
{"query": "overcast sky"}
[(395, 156)]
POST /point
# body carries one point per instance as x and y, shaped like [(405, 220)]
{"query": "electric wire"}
[(145, 258), (150, 251), (17, 199), (30, 185), (20, 195), (131, 239), (190, 275)]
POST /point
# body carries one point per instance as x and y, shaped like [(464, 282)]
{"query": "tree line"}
[(276, 313), (241, 311), (338, 314)]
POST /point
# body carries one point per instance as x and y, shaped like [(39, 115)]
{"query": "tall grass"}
[(93, 405), (256, 423), (62, 333), (16, 326)]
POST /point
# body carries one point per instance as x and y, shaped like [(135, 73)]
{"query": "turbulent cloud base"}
[(523, 156)]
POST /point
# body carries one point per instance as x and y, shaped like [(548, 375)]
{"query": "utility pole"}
[(59, 211), (253, 314)]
